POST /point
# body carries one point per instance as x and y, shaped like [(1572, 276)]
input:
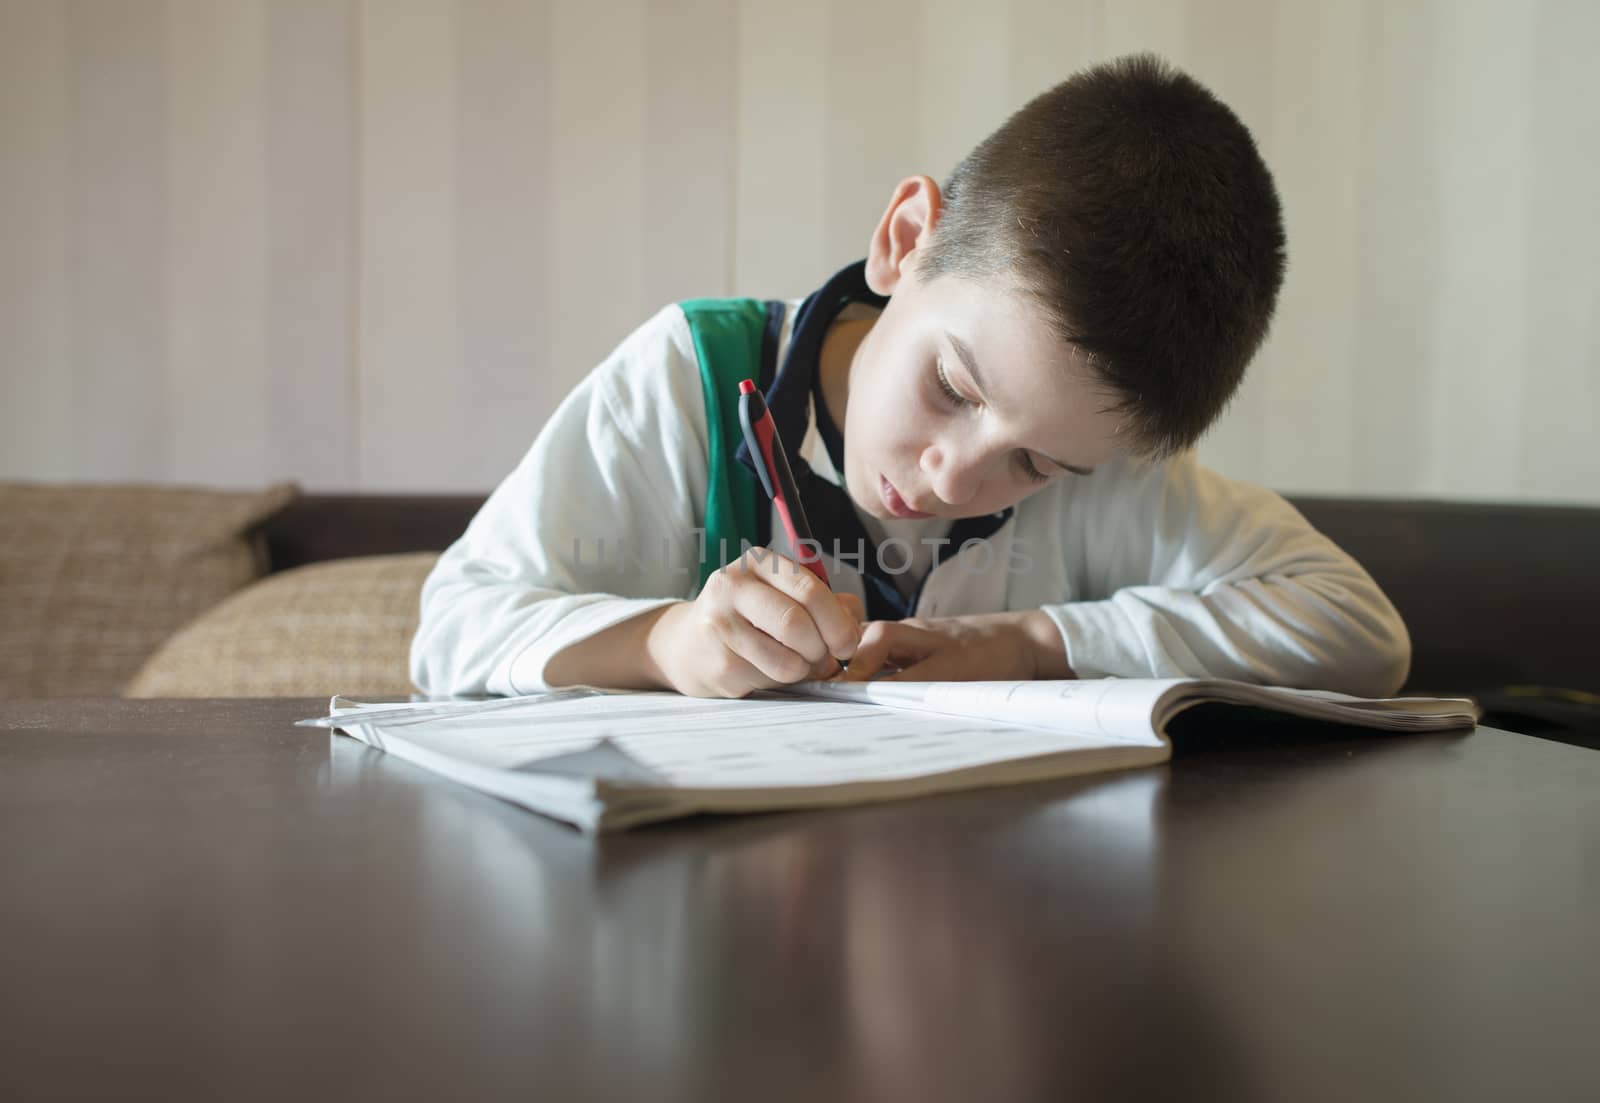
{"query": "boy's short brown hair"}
[(1132, 205)]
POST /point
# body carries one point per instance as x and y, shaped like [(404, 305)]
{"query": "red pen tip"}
[(747, 386)]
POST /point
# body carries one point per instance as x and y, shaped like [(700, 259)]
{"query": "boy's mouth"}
[(896, 504)]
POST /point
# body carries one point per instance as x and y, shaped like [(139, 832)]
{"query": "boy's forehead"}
[(1042, 383), (1000, 319)]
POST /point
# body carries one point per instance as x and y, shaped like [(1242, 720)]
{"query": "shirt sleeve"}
[(596, 525), (1189, 574)]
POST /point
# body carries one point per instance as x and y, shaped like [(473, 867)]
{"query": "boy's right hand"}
[(761, 621)]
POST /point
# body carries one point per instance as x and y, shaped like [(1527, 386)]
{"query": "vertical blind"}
[(370, 244)]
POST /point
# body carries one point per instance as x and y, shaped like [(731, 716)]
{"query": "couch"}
[(1500, 599)]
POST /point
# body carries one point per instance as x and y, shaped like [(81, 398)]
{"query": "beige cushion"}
[(343, 626), (94, 578)]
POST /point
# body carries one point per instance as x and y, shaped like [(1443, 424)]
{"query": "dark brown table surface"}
[(200, 901)]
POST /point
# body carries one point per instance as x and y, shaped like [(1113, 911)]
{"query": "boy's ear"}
[(904, 228)]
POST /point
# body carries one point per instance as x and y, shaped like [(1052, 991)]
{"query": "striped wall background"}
[(369, 244)]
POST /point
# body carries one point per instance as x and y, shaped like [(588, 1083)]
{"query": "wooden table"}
[(200, 901)]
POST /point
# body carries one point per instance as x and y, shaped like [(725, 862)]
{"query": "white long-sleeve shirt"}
[(1148, 569)]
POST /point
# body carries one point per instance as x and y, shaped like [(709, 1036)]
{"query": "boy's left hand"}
[(983, 647)]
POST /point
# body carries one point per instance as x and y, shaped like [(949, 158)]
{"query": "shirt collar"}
[(788, 397)]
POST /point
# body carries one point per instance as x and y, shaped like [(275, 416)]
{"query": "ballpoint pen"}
[(772, 468)]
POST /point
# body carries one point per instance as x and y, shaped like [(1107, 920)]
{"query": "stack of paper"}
[(607, 760)]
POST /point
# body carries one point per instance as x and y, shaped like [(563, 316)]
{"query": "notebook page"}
[(1104, 709), (751, 743), (1382, 713)]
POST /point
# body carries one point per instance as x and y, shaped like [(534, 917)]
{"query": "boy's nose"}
[(954, 478)]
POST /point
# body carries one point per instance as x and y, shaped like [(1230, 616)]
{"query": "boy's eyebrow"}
[(964, 351)]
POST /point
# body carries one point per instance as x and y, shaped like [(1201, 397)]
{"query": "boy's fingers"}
[(885, 642), (826, 670), (854, 606), (736, 676), (776, 661), (941, 666), (723, 672), (871, 653), (856, 610), (835, 623), (780, 617)]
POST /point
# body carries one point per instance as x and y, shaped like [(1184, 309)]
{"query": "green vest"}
[(727, 342)]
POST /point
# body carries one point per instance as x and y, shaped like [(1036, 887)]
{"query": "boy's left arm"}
[(1186, 574)]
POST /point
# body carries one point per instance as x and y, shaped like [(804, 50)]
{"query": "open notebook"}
[(605, 761)]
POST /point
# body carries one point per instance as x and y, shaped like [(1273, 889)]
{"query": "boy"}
[(989, 420)]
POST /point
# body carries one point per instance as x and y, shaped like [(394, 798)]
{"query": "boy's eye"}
[(951, 395), (1025, 462)]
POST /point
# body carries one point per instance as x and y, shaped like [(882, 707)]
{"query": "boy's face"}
[(1023, 402)]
